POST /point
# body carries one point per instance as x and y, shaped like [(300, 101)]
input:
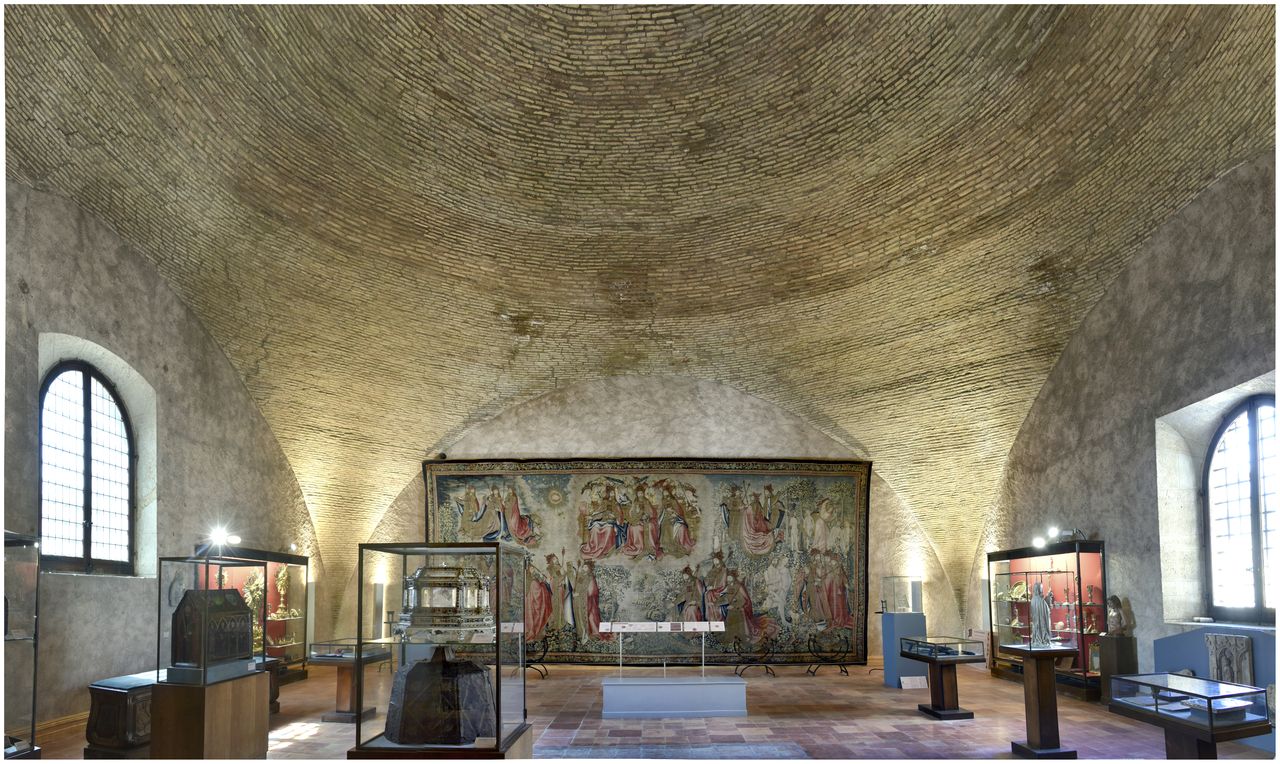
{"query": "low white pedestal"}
[(673, 697)]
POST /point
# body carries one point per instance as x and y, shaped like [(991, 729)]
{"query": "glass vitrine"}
[(1070, 578), (21, 610), (901, 594), (1201, 704), (209, 610), (287, 615), (458, 643), (956, 649)]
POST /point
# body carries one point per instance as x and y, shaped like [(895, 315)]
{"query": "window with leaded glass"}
[(86, 473), (1241, 523)]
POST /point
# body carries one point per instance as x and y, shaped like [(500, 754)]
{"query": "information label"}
[(697, 626), (670, 626)]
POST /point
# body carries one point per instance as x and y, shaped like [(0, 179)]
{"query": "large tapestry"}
[(777, 549)]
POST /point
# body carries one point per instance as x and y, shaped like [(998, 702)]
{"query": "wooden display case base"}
[(1181, 746), (944, 714), (1027, 752), (1089, 692), (226, 720), (518, 745), (348, 717)]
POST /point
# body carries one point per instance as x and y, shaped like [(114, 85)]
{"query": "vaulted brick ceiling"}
[(397, 221)]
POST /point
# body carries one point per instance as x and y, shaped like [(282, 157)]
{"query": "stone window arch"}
[(88, 460), (1242, 512)]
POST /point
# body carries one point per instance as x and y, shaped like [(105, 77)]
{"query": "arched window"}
[(1240, 504), (86, 473)]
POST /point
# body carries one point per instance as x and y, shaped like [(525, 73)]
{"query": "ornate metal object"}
[(445, 599)]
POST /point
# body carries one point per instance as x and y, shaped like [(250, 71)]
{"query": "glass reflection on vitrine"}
[(21, 597)]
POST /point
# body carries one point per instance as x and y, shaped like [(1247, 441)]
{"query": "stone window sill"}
[(1247, 626)]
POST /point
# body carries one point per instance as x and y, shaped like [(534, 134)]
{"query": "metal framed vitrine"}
[(287, 626), (21, 642), (458, 643), (205, 609)]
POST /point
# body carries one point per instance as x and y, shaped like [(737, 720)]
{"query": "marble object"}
[(1230, 658), (1118, 624)]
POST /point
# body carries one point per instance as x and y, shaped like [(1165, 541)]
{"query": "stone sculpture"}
[(1040, 625), (440, 700), (1230, 658), (1117, 624)]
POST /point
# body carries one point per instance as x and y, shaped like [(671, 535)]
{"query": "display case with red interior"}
[(285, 589), (1071, 576)]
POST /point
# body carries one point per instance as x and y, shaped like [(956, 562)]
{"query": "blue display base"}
[(894, 626), (1187, 650), (673, 697)]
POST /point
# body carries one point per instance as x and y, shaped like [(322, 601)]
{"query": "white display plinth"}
[(675, 697)]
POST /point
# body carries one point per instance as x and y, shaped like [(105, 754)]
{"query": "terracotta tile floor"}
[(792, 715)]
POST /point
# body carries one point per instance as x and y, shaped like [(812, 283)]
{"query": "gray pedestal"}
[(673, 697), (892, 627)]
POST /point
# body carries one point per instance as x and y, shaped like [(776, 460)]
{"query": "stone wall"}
[(1193, 314), (216, 460), (677, 416)]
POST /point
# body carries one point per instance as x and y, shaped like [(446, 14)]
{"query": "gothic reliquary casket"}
[(445, 600), (212, 637)]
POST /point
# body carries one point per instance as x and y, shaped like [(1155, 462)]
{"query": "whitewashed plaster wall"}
[(660, 416), (1192, 315), (216, 458)]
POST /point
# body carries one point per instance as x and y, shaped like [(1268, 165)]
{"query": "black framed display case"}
[(1196, 714), (205, 609), (1072, 578), (458, 641), (21, 640), (288, 621)]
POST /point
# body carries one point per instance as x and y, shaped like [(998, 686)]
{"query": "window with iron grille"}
[(1240, 517), (86, 473)]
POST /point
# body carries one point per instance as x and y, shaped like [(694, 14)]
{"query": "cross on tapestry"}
[(777, 549)]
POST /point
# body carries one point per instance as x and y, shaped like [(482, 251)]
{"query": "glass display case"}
[(901, 594), (210, 611), (1187, 700), (1070, 577), (21, 611), (957, 649), (458, 644), (288, 616)]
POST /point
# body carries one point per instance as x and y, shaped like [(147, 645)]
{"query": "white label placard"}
[(634, 626), (696, 626), (481, 639), (606, 626), (669, 626), (717, 625), (512, 627)]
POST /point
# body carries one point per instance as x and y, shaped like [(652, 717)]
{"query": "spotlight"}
[(293, 547), (1038, 542), (233, 539), (218, 536), (1053, 532)]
